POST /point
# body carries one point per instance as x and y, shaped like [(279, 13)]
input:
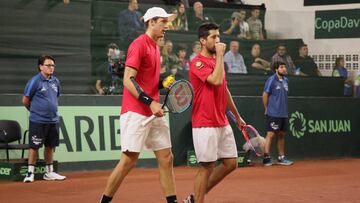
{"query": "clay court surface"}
[(305, 181)]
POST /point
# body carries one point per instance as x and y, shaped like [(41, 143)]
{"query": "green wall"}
[(319, 128)]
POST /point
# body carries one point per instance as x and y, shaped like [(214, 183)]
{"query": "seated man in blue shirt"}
[(340, 71), (41, 99), (275, 102), (234, 60)]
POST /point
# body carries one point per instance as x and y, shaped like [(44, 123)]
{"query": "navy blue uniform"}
[(277, 109), (44, 119)]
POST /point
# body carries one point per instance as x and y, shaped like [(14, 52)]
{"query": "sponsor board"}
[(337, 24), (18, 170), (301, 125)]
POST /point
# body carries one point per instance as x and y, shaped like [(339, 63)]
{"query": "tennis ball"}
[(168, 81)]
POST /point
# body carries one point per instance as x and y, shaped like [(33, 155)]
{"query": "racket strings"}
[(180, 97)]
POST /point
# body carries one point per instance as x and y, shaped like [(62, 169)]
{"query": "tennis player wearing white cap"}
[(143, 64)]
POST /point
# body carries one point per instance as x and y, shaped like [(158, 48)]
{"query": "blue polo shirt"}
[(278, 99), (43, 94)]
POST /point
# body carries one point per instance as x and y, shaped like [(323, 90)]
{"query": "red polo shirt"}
[(144, 56), (210, 101)]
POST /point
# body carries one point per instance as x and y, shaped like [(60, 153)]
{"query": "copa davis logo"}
[(300, 126)]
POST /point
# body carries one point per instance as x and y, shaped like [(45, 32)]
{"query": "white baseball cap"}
[(157, 12)]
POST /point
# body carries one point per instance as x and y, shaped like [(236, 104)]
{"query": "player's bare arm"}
[(265, 98), (26, 102), (131, 72), (217, 76)]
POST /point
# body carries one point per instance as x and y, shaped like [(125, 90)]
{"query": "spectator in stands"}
[(357, 87), (177, 65), (340, 71), (255, 25), (305, 65), (282, 56), (199, 16), (196, 48), (174, 71), (169, 46), (275, 100), (130, 23), (234, 60), (41, 99), (109, 75), (238, 27), (256, 63), (163, 54), (181, 22), (170, 58), (183, 61)]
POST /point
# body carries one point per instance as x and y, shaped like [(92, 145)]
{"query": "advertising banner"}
[(87, 133), (337, 24)]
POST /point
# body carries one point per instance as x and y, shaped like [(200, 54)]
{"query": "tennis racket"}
[(254, 141), (177, 99)]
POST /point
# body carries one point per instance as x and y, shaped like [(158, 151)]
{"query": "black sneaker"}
[(267, 161), (283, 161), (189, 199), (249, 162)]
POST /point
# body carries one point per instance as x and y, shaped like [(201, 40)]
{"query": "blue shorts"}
[(276, 124), (43, 133)]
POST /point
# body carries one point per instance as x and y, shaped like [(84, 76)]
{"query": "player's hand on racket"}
[(177, 99), (156, 109), (240, 122)]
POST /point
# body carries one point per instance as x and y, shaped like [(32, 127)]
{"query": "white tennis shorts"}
[(212, 144), (134, 136)]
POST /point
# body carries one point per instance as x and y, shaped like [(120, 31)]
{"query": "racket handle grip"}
[(148, 120), (233, 118), (231, 115)]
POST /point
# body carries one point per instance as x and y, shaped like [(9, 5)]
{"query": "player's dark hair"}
[(147, 22), (337, 61), (277, 64), (112, 45), (280, 45), (255, 8), (302, 45), (203, 31), (42, 59), (181, 47)]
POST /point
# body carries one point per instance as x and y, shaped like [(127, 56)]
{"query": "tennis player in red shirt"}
[(143, 65), (212, 135)]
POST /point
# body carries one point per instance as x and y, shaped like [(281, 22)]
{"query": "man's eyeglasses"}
[(50, 65)]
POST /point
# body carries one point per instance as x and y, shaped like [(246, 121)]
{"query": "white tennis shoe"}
[(29, 178), (53, 176)]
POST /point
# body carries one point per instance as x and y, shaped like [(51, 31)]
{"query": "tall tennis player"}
[(212, 135), (143, 64)]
